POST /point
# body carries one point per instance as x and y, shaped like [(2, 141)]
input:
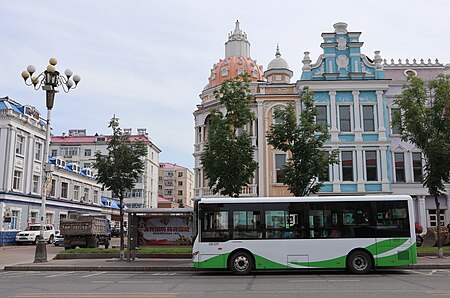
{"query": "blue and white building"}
[(22, 141)]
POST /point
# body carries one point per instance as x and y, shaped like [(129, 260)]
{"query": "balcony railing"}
[(247, 191)]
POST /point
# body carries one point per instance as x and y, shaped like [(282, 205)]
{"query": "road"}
[(22, 254), (329, 284)]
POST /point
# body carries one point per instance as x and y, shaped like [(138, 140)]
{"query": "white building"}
[(22, 141), (79, 148)]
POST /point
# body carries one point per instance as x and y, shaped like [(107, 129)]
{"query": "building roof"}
[(237, 60), (92, 139), (168, 165)]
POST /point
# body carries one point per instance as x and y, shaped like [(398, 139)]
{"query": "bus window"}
[(276, 223), (392, 219), (215, 226), (247, 224)]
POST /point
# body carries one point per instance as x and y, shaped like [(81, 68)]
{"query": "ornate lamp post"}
[(49, 80)]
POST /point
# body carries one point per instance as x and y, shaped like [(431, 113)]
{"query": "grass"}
[(432, 249), (146, 250)]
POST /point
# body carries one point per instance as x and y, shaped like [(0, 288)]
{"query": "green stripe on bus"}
[(263, 263), (218, 261)]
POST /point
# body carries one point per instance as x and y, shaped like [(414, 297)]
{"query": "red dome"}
[(233, 66)]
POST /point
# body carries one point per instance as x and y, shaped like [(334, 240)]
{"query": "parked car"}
[(59, 239), (115, 232), (32, 233)]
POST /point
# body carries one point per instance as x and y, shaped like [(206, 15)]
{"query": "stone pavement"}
[(154, 264)]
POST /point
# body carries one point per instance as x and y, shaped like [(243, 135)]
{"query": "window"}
[(33, 217), (76, 192), (69, 151), (53, 189), (54, 153), (277, 120), (14, 225), (36, 183), (325, 175), (371, 166), (95, 196), (399, 161), (433, 218), (49, 218), (17, 180), (247, 225), (180, 183), (215, 226), (392, 219), (344, 119), (180, 192), (417, 166), (38, 151), (276, 223), (395, 128), (224, 72), (168, 192), (280, 161), (86, 195), (160, 178), (347, 165), (321, 117), (20, 144), (87, 152), (64, 189), (87, 165), (180, 174), (368, 118)]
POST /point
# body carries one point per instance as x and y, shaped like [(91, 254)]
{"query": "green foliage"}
[(424, 120), (120, 168), (305, 142), (228, 159)]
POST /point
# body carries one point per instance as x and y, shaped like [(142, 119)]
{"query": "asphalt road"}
[(22, 254), (329, 284)]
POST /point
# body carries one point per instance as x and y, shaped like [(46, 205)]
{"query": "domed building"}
[(237, 60)]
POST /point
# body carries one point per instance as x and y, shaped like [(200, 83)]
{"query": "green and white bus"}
[(357, 233)]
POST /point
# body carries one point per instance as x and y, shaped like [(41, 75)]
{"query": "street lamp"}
[(49, 80)]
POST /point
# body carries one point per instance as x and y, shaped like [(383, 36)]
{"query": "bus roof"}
[(219, 200)]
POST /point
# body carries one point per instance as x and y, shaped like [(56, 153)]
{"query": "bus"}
[(357, 233)]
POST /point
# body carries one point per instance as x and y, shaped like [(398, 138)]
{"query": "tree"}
[(228, 158), (120, 168), (305, 142), (424, 120)]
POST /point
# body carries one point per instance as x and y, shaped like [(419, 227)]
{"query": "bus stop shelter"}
[(158, 227)]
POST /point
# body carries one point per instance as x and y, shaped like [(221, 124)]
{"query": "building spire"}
[(237, 44), (278, 54)]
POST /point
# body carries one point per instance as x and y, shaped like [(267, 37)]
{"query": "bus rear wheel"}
[(241, 263), (359, 262)]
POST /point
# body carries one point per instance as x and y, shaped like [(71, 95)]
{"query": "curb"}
[(116, 256), (178, 268)]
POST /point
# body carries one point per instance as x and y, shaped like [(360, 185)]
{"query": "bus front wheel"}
[(359, 262), (241, 263)]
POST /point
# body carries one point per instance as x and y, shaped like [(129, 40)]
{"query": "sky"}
[(146, 62)]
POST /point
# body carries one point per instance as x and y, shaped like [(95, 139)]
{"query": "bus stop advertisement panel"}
[(164, 230)]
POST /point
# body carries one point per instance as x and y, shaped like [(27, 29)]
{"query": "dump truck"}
[(85, 230)]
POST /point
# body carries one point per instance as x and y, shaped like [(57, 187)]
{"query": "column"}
[(333, 129), (360, 169), (10, 157), (336, 180), (422, 213), (261, 147), (4, 153), (298, 108), (380, 107), (356, 107), (383, 163)]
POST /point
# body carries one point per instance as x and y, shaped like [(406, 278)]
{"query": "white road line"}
[(93, 274), (140, 282), (325, 280), (60, 274)]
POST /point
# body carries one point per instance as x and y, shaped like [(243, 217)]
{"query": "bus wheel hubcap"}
[(359, 263), (241, 263)]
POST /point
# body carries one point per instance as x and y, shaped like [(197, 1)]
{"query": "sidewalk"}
[(424, 262)]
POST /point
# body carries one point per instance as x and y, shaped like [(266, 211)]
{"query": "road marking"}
[(439, 294), (325, 280), (60, 274), (140, 282), (95, 294), (93, 274), (164, 274)]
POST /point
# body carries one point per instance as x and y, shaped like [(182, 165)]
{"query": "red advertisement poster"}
[(171, 231)]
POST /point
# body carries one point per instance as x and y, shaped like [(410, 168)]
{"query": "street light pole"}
[(49, 80)]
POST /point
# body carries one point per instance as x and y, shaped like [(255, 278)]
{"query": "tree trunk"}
[(439, 236), (122, 242)]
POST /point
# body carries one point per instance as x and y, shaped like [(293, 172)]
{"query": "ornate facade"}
[(354, 96)]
